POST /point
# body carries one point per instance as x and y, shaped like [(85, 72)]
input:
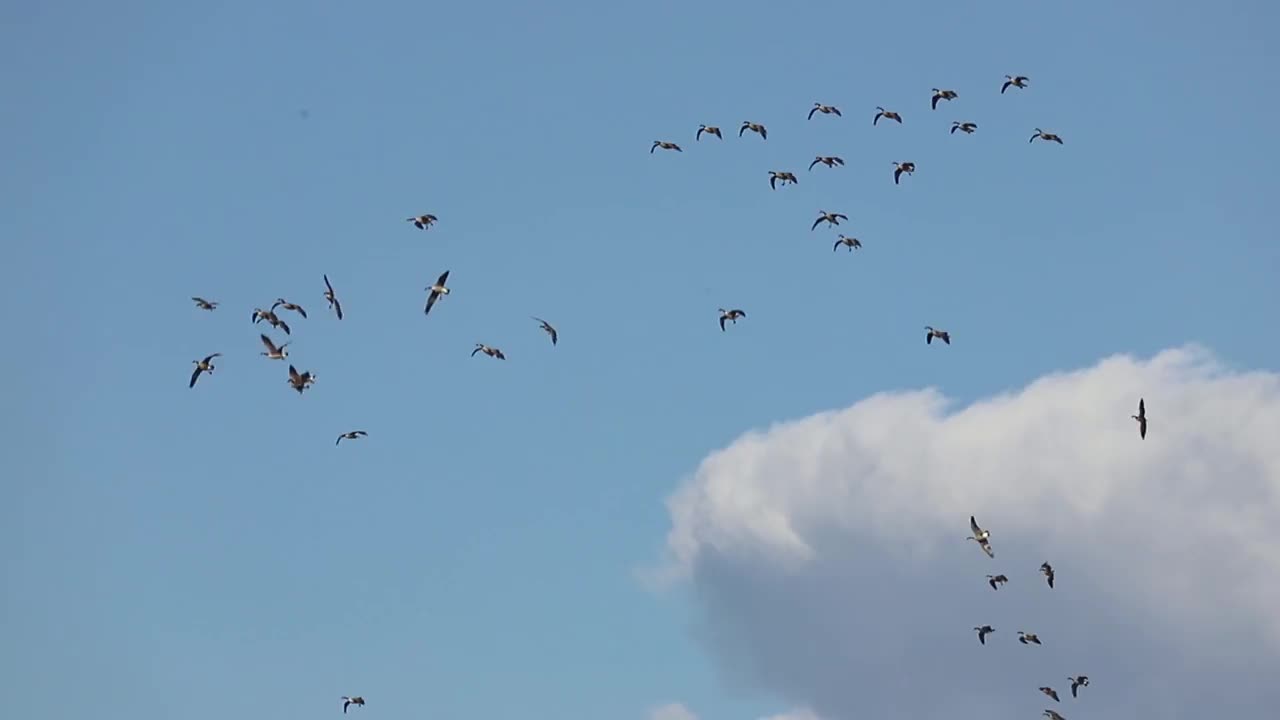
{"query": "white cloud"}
[(799, 714), (795, 536), (672, 711)]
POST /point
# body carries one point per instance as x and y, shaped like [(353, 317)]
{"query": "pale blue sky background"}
[(194, 553)]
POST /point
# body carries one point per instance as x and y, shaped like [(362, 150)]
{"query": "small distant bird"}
[(828, 160), (830, 217), (730, 315), (1052, 715), (995, 581), (983, 632), (422, 222), (281, 302), (665, 146), (1048, 136), (1141, 417), (300, 382), (964, 127), (353, 435), (708, 129), (1018, 81), (437, 290), (357, 700), (204, 304), (848, 242), (202, 366), (903, 167), (932, 333), (490, 351), (779, 175), (273, 352), (1047, 570), (887, 115), (982, 537), (755, 128), (546, 327), (1051, 693), (942, 95), (825, 110), (1028, 638), (1078, 681), (332, 297), (270, 317)]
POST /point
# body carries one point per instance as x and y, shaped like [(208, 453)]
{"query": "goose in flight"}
[(202, 366), (1052, 715), (1018, 81), (783, 176), (887, 115), (1047, 570), (204, 304), (828, 160), (665, 146), (353, 435), (995, 581), (422, 222), (1051, 693), (708, 129), (982, 537), (824, 109), (281, 302), (849, 242), (755, 128), (1077, 682), (965, 127), (983, 631), (346, 701), (273, 352), (437, 290), (300, 382), (730, 315), (492, 352), (546, 327), (270, 317), (1047, 136), (932, 333), (942, 95), (1141, 417), (1027, 638), (902, 167), (332, 297), (830, 218)]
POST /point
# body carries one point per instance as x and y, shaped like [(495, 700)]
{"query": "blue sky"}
[(207, 551)]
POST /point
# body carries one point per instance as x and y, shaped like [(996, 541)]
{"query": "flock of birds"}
[(301, 381)]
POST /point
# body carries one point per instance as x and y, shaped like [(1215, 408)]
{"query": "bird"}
[(983, 632), (437, 290), (964, 127), (202, 366), (982, 537), (1051, 137), (204, 304), (825, 110), (353, 435), (1027, 638), (270, 317), (422, 222), (902, 167), (665, 146), (300, 381), (1047, 570), (755, 128), (730, 315), (887, 115), (1078, 681), (828, 160), (942, 95), (332, 297), (281, 302), (1018, 81), (849, 242), (546, 326), (932, 333), (995, 581), (1141, 417), (1051, 693), (1052, 715), (708, 129), (357, 700), (830, 217), (273, 352), (785, 177), (490, 351)]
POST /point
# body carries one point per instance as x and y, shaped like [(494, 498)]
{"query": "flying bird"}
[(353, 435), (204, 304), (281, 302), (546, 327), (422, 222), (932, 333), (824, 109), (780, 175), (437, 290), (708, 129), (849, 242), (982, 537), (332, 297), (490, 351), (942, 95), (357, 700), (273, 352), (1078, 681), (1018, 81), (830, 217), (983, 632), (270, 317), (828, 160), (1048, 136), (964, 127), (1141, 417), (730, 315), (1027, 638), (665, 146), (887, 115), (1047, 570), (1051, 693), (902, 167), (755, 128), (300, 382), (1052, 715), (995, 581), (202, 366)]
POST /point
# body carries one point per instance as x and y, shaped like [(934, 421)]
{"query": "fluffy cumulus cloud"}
[(828, 557)]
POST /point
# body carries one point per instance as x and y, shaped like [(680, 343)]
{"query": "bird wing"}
[(815, 162), (811, 112), (301, 312), (654, 147), (207, 359), (284, 326), (954, 128), (946, 338), (337, 306), (973, 523), (986, 548), (294, 376), (194, 376), (339, 440), (555, 336), (1142, 408), (1142, 428), (698, 136), (742, 129), (838, 161), (271, 347), (897, 173), (876, 119), (443, 277), (764, 133), (773, 177), (722, 319), (327, 285), (815, 223), (1006, 85), (1033, 138), (836, 246), (840, 216), (676, 147), (836, 110), (478, 349), (935, 101), (431, 300)]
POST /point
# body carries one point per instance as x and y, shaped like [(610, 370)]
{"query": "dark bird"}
[(422, 222), (708, 129), (437, 290), (353, 435), (730, 315), (886, 114), (830, 217), (1141, 417), (490, 351), (849, 242), (828, 160), (332, 297), (902, 167), (1018, 81), (1077, 682), (1052, 715), (1047, 570), (980, 536), (273, 352), (357, 700), (942, 95), (755, 128), (780, 175), (270, 317), (1028, 638), (546, 327), (665, 146), (281, 302), (202, 366), (1047, 136), (995, 581), (964, 127), (1051, 693), (204, 304), (824, 109), (983, 632), (942, 335), (300, 382)]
